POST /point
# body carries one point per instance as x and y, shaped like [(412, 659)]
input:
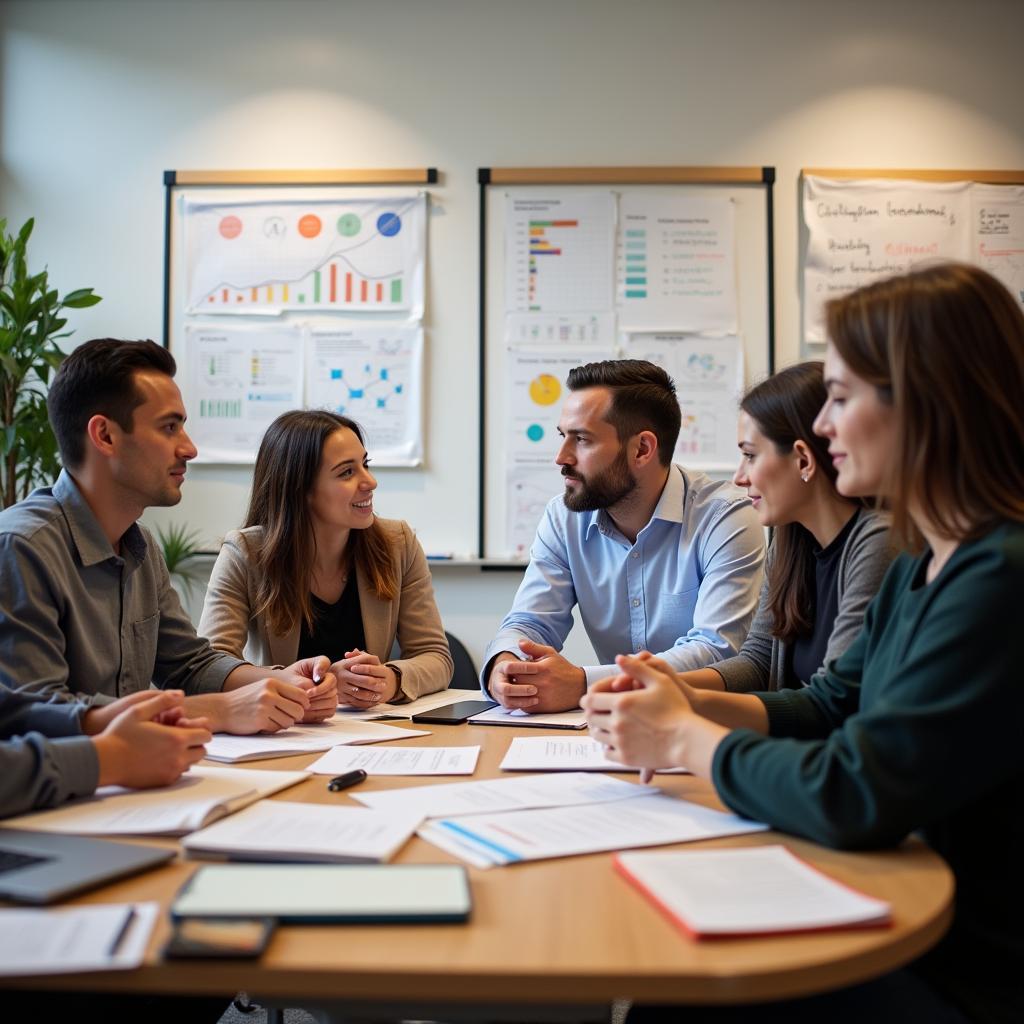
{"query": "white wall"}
[(100, 96)]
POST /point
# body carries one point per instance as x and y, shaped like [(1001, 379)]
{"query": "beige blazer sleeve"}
[(228, 620), (413, 619)]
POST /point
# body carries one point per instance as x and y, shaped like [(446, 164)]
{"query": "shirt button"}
[(636, 602), (636, 554)]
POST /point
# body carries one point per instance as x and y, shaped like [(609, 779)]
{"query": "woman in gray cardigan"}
[(828, 553)]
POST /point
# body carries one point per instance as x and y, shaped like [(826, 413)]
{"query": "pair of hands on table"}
[(363, 682)]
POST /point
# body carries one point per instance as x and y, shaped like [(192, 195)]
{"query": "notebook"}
[(39, 867), (764, 890), (276, 830)]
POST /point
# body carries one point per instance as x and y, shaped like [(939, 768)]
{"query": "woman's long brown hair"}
[(944, 346), (784, 408), (286, 470)]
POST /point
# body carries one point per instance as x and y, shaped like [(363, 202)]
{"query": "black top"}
[(337, 627), (807, 653)]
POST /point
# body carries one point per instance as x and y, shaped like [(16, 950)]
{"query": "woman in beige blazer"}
[(313, 568)]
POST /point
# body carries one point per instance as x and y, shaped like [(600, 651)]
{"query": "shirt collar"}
[(669, 507), (673, 494), (86, 533)]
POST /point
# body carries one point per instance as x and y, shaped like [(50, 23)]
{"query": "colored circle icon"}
[(275, 227), (535, 432), (349, 225), (310, 225), (230, 227), (545, 389), (389, 224)]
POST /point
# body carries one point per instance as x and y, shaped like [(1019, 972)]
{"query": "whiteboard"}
[(752, 205)]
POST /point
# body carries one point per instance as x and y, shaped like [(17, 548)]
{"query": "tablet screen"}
[(328, 892)]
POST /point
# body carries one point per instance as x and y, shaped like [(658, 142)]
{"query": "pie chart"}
[(545, 389)]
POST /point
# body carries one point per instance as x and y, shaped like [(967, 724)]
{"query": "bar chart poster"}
[(272, 256), (374, 375), (238, 380), (560, 253), (675, 264)]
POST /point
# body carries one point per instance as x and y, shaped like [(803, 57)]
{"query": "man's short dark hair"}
[(96, 379), (643, 398)]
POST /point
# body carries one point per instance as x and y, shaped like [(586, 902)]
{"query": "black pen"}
[(129, 920), (352, 778)]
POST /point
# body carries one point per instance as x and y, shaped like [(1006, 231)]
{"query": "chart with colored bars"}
[(362, 256), (559, 254), (372, 375), (237, 379), (675, 267)]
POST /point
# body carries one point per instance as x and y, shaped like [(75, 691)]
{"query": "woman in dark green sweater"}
[(919, 725)]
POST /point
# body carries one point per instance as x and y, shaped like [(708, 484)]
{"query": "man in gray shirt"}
[(87, 611)]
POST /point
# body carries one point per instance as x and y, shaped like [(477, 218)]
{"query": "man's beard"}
[(602, 490)]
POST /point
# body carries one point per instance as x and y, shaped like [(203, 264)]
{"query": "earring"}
[(805, 477)]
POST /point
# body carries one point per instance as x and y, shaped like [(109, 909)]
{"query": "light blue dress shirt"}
[(686, 590)]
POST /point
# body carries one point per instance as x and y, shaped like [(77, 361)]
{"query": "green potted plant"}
[(181, 547), (30, 322)]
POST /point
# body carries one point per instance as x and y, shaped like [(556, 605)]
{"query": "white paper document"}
[(998, 233), (521, 719), (708, 373), (348, 713), (464, 798), (107, 937), (373, 374), (513, 836), (303, 739), (559, 253), (237, 380), (757, 891), (282, 831), (201, 796), (864, 230), (399, 761), (675, 263), (564, 753), (286, 252)]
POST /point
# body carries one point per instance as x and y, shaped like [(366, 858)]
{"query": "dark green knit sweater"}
[(919, 725)]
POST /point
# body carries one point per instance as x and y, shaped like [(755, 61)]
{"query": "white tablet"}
[(328, 893)]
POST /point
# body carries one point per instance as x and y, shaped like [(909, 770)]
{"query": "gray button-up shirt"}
[(78, 621)]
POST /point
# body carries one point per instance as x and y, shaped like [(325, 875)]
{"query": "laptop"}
[(40, 867)]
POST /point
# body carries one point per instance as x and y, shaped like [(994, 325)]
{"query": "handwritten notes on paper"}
[(861, 231)]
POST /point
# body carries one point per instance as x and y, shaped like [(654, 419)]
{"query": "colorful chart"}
[(246, 258)]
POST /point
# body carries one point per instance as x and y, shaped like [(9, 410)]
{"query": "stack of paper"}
[(399, 761), (71, 939), (502, 794), (281, 831), (566, 753), (414, 707), (199, 797), (757, 891), (485, 840), (519, 719), (303, 739)]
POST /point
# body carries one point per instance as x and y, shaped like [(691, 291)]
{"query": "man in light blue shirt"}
[(657, 558)]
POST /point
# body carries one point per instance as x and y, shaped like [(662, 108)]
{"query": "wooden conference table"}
[(554, 934)]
